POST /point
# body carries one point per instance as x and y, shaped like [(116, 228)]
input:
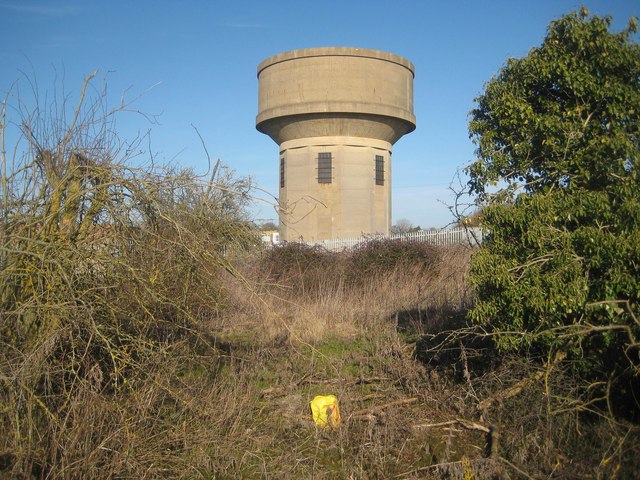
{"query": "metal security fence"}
[(446, 236)]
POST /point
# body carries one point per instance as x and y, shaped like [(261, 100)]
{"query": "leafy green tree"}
[(557, 178)]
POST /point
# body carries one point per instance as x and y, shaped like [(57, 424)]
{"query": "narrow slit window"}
[(281, 172), (379, 170), (324, 167)]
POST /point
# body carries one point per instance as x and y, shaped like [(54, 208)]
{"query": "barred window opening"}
[(281, 172), (379, 170), (324, 167)]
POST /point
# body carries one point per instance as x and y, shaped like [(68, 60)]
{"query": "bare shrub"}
[(312, 293), (106, 274), (301, 267), (377, 257)]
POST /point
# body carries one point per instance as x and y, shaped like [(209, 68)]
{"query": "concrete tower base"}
[(346, 196)]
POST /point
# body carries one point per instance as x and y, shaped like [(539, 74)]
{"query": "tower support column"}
[(352, 175)]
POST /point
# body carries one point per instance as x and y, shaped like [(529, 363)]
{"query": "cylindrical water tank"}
[(335, 113), (335, 91)]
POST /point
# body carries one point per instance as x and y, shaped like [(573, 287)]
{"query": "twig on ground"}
[(519, 386), (375, 411), (491, 431)]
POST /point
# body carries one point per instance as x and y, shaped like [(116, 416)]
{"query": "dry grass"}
[(131, 346), (310, 295), (314, 330), (230, 399)]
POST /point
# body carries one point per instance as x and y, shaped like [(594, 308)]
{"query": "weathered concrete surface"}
[(353, 103)]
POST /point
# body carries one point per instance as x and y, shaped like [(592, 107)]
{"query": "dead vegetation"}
[(395, 348), (135, 345)]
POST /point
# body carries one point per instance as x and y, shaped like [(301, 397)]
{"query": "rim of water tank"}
[(336, 52)]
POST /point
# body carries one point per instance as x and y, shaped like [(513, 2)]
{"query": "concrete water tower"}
[(335, 112)]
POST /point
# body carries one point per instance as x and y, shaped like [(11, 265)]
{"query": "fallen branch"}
[(377, 409), (519, 386), (367, 381), (463, 423), (491, 431), (520, 471), (373, 413)]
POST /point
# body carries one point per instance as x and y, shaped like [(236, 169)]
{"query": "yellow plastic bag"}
[(325, 411)]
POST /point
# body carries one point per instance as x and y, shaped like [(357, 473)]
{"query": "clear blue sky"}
[(201, 58)]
